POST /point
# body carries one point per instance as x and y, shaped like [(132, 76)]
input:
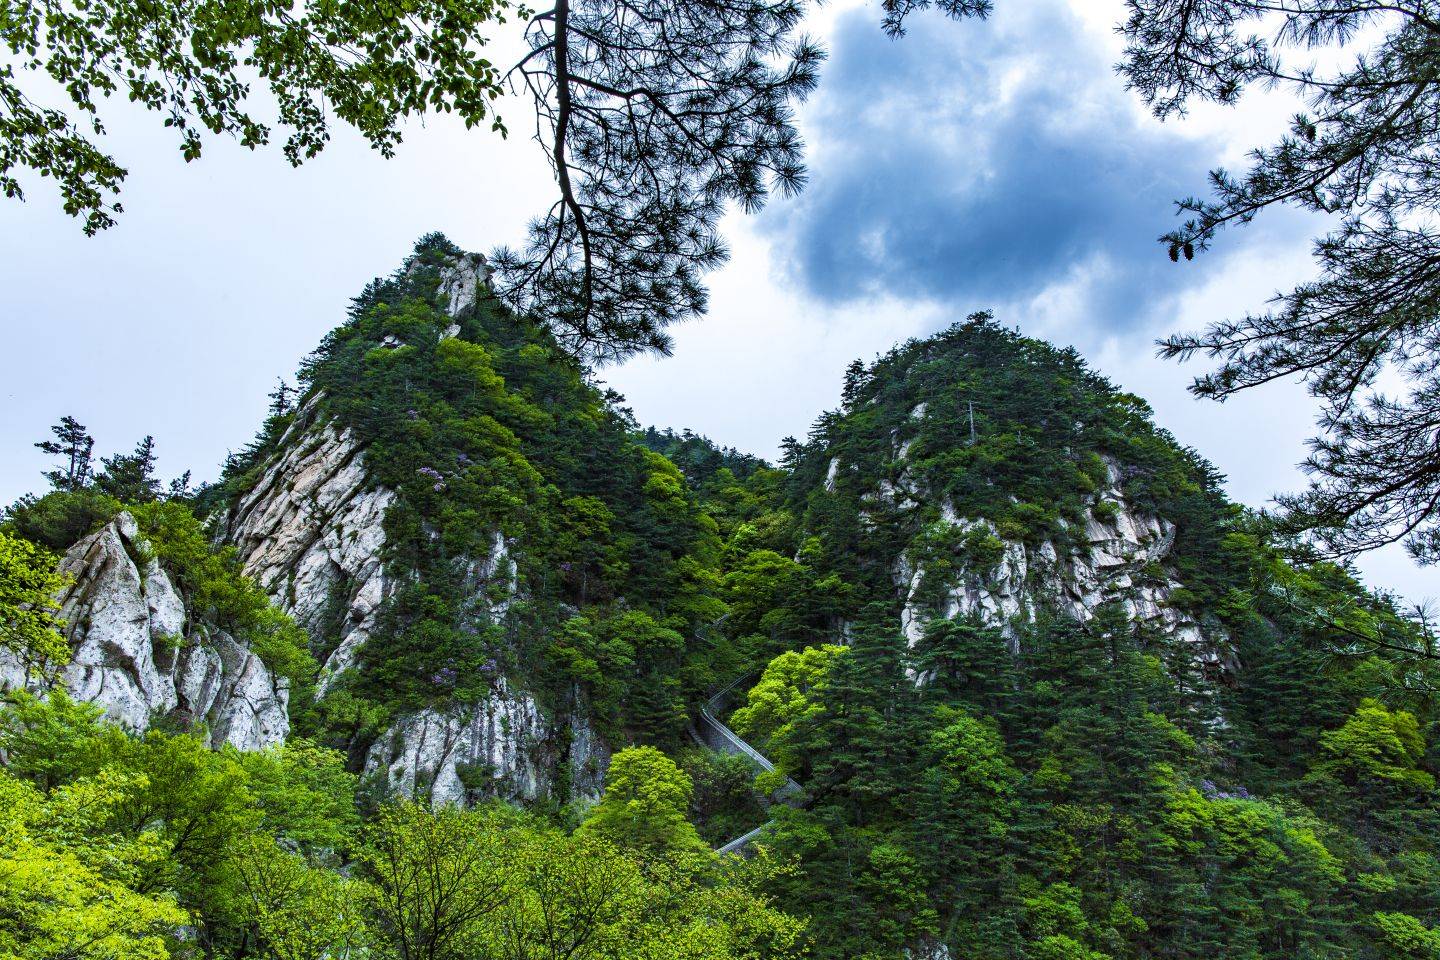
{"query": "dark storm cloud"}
[(978, 163)]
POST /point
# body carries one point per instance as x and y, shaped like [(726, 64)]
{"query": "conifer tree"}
[(75, 445), (858, 746), (964, 662), (964, 808), (854, 379), (791, 450), (130, 478), (281, 398), (179, 488)]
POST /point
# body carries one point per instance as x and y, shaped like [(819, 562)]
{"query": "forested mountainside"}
[(1050, 695), (463, 524), (1044, 691)]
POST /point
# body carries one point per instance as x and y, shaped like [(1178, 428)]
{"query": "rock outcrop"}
[(1119, 556), (138, 654), (310, 531), (461, 282), (502, 746)]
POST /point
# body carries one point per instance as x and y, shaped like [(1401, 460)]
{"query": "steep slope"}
[(310, 532), (497, 579)]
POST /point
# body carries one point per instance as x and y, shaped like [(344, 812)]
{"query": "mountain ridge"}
[(1041, 680)]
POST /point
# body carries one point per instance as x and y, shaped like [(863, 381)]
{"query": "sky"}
[(994, 164)]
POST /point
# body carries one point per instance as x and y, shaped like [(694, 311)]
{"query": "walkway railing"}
[(710, 732)]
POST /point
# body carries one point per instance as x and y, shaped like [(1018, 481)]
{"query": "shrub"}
[(61, 518)]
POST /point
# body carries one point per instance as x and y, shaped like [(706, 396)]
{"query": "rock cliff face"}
[(502, 747), (1119, 557), (311, 532), (139, 655)]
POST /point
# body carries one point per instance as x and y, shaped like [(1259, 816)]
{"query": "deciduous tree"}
[(438, 876), (196, 63), (645, 806), (298, 912), (65, 893), (30, 585)]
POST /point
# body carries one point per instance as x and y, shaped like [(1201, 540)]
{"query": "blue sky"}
[(996, 164)]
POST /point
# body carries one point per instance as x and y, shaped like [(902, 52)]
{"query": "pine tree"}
[(75, 445), (130, 478), (965, 662), (791, 452), (854, 380), (180, 488), (281, 398), (861, 745), (964, 809)]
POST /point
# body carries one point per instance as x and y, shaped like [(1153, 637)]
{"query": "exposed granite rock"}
[(502, 746), (135, 654), (460, 282), (929, 950), (310, 532), (1121, 558)]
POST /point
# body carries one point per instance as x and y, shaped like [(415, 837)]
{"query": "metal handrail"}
[(790, 789), (755, 756), (741, 842), (717, 696)]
